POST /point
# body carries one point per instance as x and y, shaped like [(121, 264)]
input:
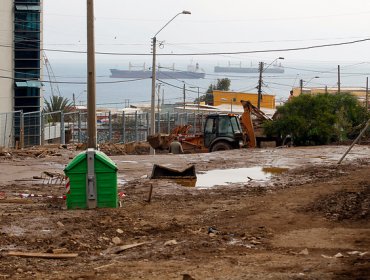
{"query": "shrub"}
[(317, 119)]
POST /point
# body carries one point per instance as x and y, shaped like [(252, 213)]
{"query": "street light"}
[(273, 62), (261, 70), (152, 106), (306, 82), (76, 98)]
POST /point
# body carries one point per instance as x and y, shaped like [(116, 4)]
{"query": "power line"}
[(258, 42), (78, 83), (209, 53)]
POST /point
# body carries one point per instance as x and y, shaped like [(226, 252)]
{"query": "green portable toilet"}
[(92, 177)]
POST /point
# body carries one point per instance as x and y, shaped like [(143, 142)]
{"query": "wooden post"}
[(150, 193), (356, 140)]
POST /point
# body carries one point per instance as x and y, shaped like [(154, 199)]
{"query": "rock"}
[(120, 231), (187, 277), (326, 257), (170, 242), (304, 252), (354, 253), (255, 242), (339, 255), (116, 240), (60, 224), (212, 230), (212, 234)]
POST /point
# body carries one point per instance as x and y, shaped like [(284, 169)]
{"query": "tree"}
[(222, 84), (57, 103), (317, 119)]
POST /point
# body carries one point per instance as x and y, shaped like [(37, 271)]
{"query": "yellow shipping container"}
[(227, 97)]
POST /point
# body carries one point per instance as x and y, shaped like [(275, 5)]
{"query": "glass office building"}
[(27, 66)]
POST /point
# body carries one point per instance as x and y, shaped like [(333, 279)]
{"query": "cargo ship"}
[(239, 69), (193, 72)]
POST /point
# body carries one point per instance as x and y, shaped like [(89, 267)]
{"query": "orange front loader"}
[(247, 123)]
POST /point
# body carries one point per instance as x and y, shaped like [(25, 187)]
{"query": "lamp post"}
[(261, 70), (152, 105), (76, 98), (306, 82)]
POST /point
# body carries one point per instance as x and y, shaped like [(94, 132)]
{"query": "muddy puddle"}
[(223, 177)]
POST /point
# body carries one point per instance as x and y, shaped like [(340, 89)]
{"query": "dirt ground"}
[(309, 220)]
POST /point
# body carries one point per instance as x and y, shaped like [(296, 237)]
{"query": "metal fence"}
[(18, 129)]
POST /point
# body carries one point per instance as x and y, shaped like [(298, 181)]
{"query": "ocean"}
[(70, 79)]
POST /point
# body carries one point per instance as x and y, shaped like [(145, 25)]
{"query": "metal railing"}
[(18, 129), (10, 128)]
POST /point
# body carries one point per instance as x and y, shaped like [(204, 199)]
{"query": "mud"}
[(309, 222)]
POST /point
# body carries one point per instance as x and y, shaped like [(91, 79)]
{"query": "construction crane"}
[(52, 79)]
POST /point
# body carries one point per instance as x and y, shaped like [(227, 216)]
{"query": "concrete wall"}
[(6, 56)]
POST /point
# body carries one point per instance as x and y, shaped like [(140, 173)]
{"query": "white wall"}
[(6, 56)]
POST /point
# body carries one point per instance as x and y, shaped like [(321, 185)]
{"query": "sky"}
[(126, 27), (213, 26)]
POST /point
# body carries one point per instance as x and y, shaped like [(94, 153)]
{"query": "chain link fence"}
[(19, 129), (10, 129)]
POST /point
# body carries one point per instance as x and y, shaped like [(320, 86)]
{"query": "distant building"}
[(233, 98), (20, 66), (359, 93)]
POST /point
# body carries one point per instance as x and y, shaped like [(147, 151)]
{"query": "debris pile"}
[(344, 205), (111, 149)]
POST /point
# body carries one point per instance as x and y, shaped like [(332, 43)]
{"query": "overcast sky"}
[(213, 26)]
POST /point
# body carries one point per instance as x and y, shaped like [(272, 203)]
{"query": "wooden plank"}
[(119, 249), (42, 255), (109, 265), (17, 201)]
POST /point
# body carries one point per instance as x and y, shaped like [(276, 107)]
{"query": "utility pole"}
[(184, 96), (198, 101), (260, 85), (152, 112), (91, 103), (301, 85), (159, 100), (367, 94), (338, 78), (162, 97), (152, 103)]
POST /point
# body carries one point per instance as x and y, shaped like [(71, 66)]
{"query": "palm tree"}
[(57, 103)]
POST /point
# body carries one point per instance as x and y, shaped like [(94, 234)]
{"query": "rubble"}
[(227, 232)]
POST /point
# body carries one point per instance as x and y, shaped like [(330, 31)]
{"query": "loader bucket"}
[(186, 177), (160, 141)]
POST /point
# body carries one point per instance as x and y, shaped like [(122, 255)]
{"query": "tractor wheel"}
[(221, 146)]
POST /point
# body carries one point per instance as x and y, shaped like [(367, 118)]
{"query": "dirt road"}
[(308, 220)]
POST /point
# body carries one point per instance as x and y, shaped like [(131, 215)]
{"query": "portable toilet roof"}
[(101, 161)]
